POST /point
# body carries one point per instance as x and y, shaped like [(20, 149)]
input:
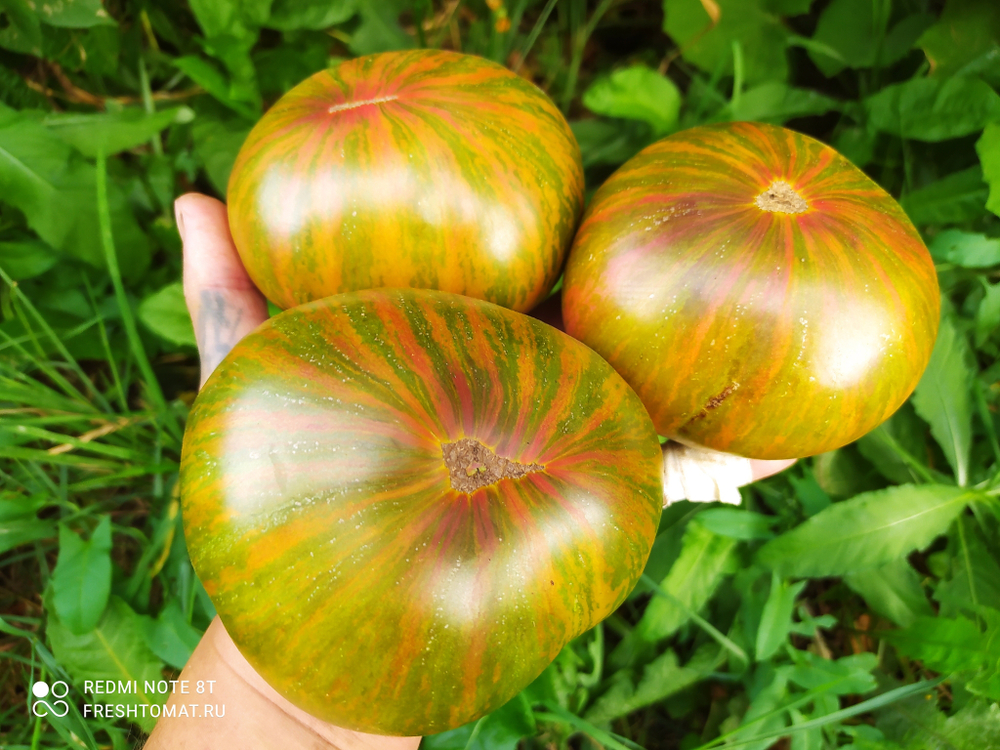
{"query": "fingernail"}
[(179, 219)]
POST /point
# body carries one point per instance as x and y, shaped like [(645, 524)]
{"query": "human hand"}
[(225, 306)]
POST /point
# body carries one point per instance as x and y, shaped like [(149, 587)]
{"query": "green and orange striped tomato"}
[(760, 293), (375, 569), (421, 168)]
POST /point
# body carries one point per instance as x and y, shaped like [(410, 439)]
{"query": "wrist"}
[(252, 714)]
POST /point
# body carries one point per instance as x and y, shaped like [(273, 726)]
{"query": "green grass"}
[(750, 625)]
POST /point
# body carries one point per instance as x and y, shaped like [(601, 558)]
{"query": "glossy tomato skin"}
[(760, 332), (420, 168), (321, 517)]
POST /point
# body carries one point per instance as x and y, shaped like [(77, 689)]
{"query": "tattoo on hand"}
[(217, 326)]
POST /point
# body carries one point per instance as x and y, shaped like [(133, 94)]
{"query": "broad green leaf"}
[(18, 531), (379, 30), (23, 30), (857, 144), (612, 143), (988, 148), (892, 591), (170, 636), (942, 644), (787, 7), (81, 581), (896, 447), (636, 93), (165, 313), (215, 83), (849, 675), (988, 314), (934, 109), (771, 693), (661, 678), (26, 259), (810, 495), (777, 102), (852, 27), (56, 192), (943, 397), (113, 131), (73, 14), (217, 142), (867, 531), (776, 619), (965, 249), (709, 45), (965, 30), (290, 15), (954, 199), (114, 650), (737, 524)]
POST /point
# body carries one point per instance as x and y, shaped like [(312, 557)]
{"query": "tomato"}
[(420, 168), (760, 293), (404, 503)]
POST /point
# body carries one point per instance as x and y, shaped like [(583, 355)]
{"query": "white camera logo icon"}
[(42, 690)]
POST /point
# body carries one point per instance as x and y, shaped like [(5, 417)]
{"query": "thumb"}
[(223, 302)]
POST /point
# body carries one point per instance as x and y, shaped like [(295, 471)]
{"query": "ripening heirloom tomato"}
[(759, 292), (403, 503), (421, 168)]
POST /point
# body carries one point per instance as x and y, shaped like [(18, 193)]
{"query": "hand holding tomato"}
[(225, 306)]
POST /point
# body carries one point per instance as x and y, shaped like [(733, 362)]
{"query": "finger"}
[(224, 303), (762, 468)]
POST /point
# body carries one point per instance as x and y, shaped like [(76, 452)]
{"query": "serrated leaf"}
[(636, 93), (943, 644), (661, 678), (114, 650), (988, 148), (867, 531), (165, 313), (892, 591), (776, 618), (113, 131), (954, 199), (849, 675), (710, 45), (934, 109), (943, 398), (965, 249), (692, 580), (696, 573), (81, 581)]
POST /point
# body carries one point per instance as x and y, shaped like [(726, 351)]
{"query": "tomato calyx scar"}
[(781, 198), (363, 103), (472, 465)]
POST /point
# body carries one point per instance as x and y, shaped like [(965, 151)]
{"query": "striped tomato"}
[(405, 502), (759, 292), (422, 169)]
